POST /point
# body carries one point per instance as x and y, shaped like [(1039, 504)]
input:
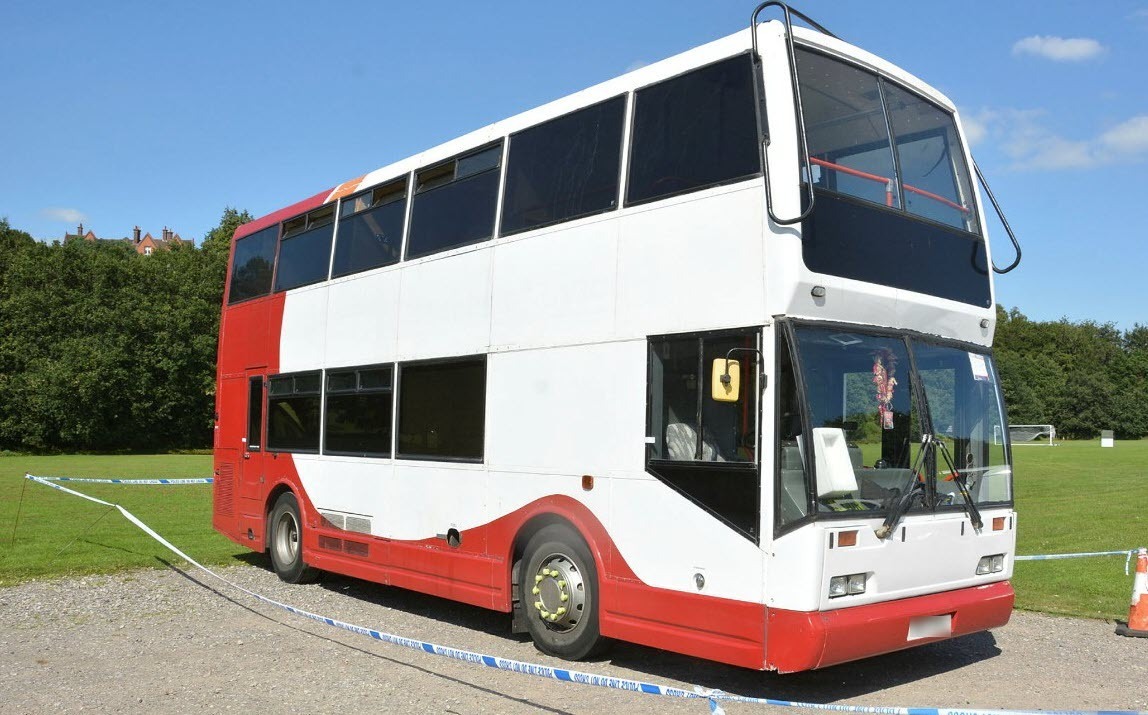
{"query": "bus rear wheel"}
[(558, 591), (286, 530)]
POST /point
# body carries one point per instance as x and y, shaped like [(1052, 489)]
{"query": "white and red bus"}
[(697, 358)]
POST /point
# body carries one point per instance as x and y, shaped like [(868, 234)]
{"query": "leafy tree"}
[(1081, 377), (104, 349)]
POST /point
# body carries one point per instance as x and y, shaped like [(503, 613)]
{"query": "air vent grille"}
[(224, 492), (354, 548), (358, 524)]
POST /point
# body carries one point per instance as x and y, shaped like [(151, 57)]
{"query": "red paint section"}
[(804, 641), (714, 628), (717, 629)]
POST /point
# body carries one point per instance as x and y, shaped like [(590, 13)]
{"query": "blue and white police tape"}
[(202, 480), (1127, 554), (714, 698)]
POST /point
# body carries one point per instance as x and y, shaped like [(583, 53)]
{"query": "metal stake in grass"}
[(19, 506)]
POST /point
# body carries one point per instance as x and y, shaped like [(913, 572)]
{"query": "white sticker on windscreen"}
[(980, 367)]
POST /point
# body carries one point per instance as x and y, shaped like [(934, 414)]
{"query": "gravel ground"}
[(166, 641)]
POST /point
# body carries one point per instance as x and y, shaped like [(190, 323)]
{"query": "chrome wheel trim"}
[(285, 540), (559, 593)]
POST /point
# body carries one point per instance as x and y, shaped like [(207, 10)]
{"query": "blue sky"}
[(161, 114)]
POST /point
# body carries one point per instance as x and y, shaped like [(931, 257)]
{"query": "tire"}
[(558, 590), (285, 532)]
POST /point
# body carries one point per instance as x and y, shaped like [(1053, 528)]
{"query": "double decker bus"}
[(697, 358)]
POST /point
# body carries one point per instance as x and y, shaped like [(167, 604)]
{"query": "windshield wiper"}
[(908, 494), (963, 487)]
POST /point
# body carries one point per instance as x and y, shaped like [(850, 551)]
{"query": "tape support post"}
[(713, 697)]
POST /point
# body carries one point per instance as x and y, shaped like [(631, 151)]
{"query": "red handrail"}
[(860, 175), (888, 184), (935, 197)]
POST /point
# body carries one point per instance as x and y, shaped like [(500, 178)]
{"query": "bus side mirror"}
[(725, 384)]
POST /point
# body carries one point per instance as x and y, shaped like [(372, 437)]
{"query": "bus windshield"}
[(871, 399), (873, 140)]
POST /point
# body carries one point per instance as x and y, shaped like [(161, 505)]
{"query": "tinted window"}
[(254, 413), (293, 406), (565, 168), (305, 249), (846, 130), (855, 120), (694, 131), (914, 255), (371, 229), (359, 412), (442, 410), (254, 261), (454, 203), (933, 169)]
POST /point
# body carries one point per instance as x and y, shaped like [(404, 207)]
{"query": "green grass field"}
[(1071, 498), (1079, 497), (59, 534)]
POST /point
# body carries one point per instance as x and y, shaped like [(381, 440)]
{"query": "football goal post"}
[(1032, 435)]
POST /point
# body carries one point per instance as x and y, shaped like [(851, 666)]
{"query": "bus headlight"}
[(990, 564), (850, 585)]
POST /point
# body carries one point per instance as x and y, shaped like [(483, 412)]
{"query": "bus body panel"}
[(567, 410), (535, 277), (692, 263), (938, 553), (350, 339)]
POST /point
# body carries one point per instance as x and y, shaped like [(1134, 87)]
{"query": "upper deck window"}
[(694, 131), (454, 202), (565, 168), (873, 140), (253, 264), (371, 229), (933, 171), (305, 249)]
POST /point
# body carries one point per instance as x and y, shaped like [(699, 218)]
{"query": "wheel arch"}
[(560, 509)]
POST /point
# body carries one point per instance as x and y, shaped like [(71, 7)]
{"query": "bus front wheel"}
[(287, 541), (558, 591)]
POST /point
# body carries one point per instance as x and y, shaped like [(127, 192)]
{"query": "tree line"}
[(1081, 377), (103, 349)]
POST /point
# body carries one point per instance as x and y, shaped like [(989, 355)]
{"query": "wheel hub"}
[(559, 593), (286, 538)]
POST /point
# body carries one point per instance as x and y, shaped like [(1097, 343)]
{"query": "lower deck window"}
[(358, 412), (442, 410), (293, 411)]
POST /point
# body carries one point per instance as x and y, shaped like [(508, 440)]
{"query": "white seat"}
[(682, 441)]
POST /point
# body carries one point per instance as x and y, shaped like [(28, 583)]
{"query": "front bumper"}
[(798, 640)]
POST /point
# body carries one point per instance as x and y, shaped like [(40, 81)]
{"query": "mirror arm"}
[(725, 379)]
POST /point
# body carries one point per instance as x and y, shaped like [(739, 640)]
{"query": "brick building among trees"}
[(144, 245)]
